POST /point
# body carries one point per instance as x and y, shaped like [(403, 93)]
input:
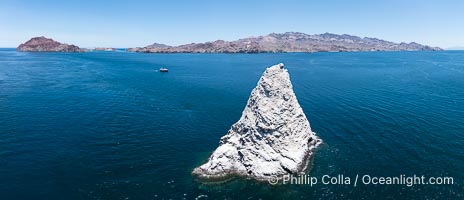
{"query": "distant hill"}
[(289, 42), (43, 44)]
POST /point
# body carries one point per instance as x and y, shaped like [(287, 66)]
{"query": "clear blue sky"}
[(130, 23)]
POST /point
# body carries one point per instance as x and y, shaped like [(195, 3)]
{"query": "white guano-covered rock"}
[(272, 138)]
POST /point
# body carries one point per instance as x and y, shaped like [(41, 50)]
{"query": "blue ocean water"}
[(108, 125)]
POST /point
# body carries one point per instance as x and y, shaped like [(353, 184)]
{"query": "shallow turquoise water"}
[(107, 125)]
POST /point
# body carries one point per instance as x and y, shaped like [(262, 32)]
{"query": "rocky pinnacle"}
[(272, 138)]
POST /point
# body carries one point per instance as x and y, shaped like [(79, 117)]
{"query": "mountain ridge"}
[(289, 42)]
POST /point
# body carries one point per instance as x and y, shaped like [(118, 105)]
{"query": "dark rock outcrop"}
[(289, 42), (43, 44)]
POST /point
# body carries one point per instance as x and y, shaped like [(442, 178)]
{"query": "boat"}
[(162, 69)]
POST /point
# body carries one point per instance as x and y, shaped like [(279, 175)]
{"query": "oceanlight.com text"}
[(365, 179)]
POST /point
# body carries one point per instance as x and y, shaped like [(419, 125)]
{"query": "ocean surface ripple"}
[(108, 125)]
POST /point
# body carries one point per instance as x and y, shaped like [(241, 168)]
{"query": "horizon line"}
[(252, 36)]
